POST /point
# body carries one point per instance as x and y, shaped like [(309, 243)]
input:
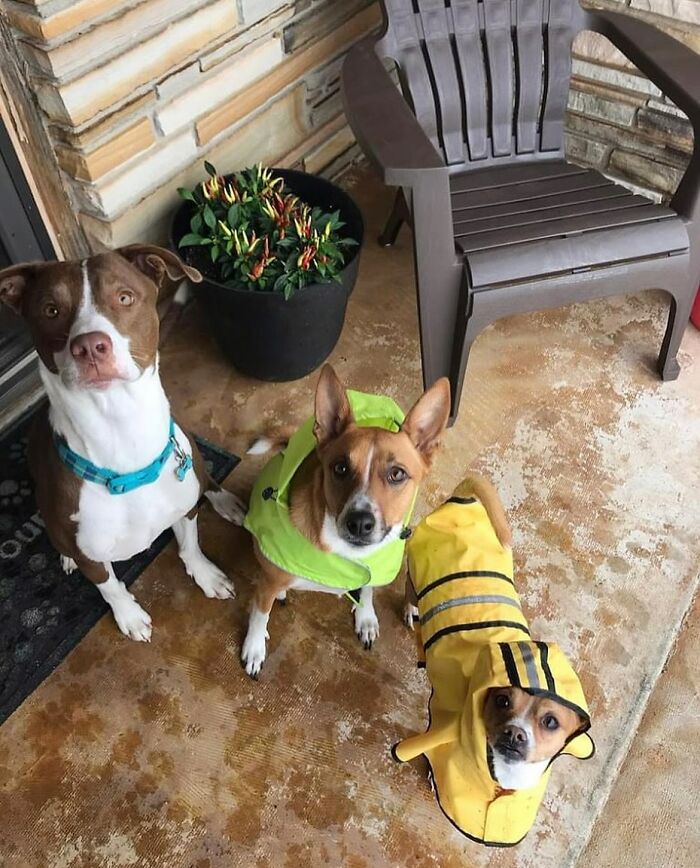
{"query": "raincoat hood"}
[(269, 522), (475, 637)]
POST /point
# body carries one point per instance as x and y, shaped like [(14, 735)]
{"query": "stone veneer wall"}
[(136, 93), (618, 121)]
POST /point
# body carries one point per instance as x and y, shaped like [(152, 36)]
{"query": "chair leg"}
[(678, 316), (459, 369), (394, 222)]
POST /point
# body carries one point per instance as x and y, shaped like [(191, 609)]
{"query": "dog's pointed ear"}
[(332, 408), (157, 262), (14, 282), (428, 417)]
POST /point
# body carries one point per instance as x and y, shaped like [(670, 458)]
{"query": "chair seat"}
[(528, 220)]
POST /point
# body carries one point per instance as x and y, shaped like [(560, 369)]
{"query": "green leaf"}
[(234, 215), (186, 194), (209, 217), (215, 251), (196, 224), (209, 169), (190, 240)]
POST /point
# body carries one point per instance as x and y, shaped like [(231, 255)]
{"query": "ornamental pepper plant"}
[(254, 233)]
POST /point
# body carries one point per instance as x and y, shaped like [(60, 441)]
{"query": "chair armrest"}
[(384, 125), (671, 65)]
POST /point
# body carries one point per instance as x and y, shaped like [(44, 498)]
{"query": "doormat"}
[(44, 613)]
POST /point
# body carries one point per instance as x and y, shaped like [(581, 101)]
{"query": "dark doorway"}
[(23, 238)]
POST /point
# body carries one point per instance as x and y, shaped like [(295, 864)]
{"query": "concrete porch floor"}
[(167, 754)]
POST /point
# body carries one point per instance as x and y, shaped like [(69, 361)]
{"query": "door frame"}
[(37, 220)]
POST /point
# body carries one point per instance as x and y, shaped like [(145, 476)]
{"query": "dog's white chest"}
[(114, 527)]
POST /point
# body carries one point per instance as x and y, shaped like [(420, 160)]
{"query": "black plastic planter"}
[(263, 335)]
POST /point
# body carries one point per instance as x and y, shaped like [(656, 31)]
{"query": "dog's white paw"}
[(410, 614), (254, 652), (228, 505), (68, 565), (131, 619), (366, 626), (213, 581), (282, 598)]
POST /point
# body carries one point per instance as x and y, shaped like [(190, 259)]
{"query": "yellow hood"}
[(475, 637)]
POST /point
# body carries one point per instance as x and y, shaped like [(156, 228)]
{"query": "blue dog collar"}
[(121, 483)]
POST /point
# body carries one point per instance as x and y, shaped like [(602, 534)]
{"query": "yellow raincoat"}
[(474, 637)]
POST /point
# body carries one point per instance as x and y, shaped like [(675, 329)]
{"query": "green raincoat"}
[(269, 522)]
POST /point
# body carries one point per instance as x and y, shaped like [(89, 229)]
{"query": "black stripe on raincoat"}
[(509, 663), (544, 655), (477, 625), (466, 574)]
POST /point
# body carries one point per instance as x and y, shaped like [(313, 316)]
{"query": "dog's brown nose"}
[(515, 735), (91, 347)]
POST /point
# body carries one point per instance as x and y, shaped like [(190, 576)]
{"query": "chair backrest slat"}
[(529, 72), (413, 72), (470, 56), (436, 32), (499, 51), (491, 75), (560, 23)]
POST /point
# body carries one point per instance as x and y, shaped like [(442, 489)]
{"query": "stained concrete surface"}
[(652, 817), (167, 754)]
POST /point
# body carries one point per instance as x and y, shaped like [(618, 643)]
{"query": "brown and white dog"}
[(524, 733), (95, 327), (349, 497)]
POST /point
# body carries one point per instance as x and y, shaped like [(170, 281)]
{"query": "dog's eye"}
[(126, 298), (50, 310), (502, 701), (397, 475), (340, 468), (550, 722)]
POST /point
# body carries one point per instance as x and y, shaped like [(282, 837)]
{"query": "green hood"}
[(268, 515)]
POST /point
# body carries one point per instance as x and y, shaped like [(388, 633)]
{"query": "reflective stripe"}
[(529, 662), (466, 601)]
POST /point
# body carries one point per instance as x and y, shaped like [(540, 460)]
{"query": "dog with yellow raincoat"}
[(503, 706)]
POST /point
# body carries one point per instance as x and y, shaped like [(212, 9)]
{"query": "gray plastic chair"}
[(501, 222)]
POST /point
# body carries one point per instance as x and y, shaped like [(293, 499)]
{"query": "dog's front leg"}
[(131, 619), (366, 621), (410, 601), (254, 648), (207, 575)]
